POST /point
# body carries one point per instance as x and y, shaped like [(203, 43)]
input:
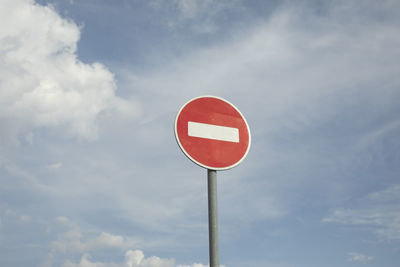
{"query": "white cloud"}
[(24, 218), (15, 216), (353, 256), (189, 8), (73, 241), (54, 166), (107, 240), (195, 265), (379, 210), (43, 83), (201, 16), (133, 258), (85, 262), (194, 9), (64, 221)]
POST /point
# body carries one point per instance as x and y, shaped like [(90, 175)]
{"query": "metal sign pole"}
[(197, 129), (213, 217)]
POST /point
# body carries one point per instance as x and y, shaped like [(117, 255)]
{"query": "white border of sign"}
[(195, 161)]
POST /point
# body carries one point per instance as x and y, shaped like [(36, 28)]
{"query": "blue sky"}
[(90, 170)]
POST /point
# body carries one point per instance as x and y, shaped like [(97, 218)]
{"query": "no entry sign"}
[(212, 133)]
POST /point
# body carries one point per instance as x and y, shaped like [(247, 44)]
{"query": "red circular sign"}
[(212, 133)]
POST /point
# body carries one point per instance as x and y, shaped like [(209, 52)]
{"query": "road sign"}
[(212, 133)]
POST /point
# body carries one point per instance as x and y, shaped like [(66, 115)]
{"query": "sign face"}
[(212, 133)]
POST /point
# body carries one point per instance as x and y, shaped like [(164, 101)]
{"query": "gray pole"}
[(213, 217)]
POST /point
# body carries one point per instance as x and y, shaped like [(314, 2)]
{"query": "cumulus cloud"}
[(43, 83), (133, 258), (73, 241), (85, 262), (379, 210)]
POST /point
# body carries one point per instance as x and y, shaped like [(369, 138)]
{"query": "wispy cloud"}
[(380, 211), (353, 256), (201, 17), (54, 166)]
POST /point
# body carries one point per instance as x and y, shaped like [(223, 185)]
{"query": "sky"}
[(91, 174)]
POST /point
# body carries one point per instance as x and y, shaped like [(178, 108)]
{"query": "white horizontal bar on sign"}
[(215, 132)]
